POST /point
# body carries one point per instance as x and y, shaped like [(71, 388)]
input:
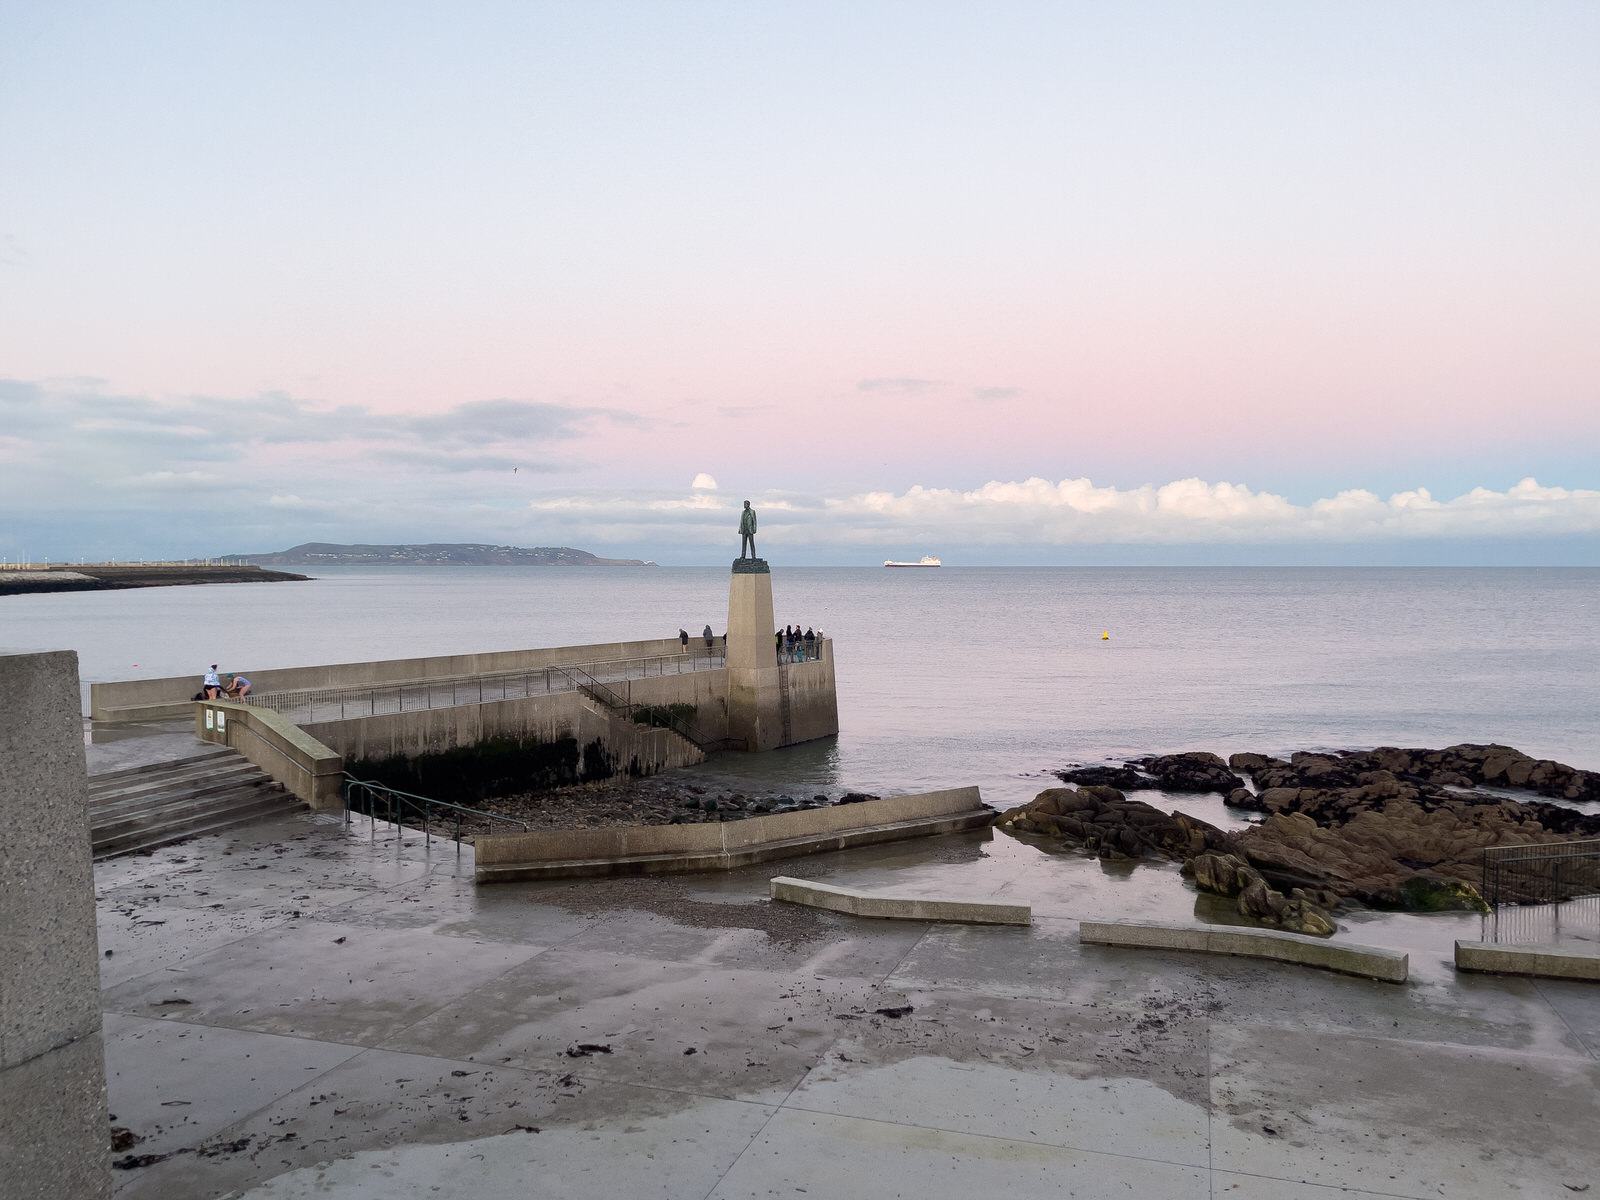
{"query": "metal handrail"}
[(397, 802), (599, 692), (479, 688)]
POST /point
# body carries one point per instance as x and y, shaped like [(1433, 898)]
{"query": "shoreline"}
[(107, 577)]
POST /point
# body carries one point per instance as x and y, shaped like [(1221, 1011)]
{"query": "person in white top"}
[(213, 683)]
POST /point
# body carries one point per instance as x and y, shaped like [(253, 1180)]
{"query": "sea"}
[(992, 676), (986, 676)]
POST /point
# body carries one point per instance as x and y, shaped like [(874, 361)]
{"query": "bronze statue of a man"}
[(747, 531)]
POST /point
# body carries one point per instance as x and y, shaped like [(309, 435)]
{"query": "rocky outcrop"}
[(1463, 766), (1226, 875), (1390, 828), (1127, 779), (1195, 771), (1104, 821)]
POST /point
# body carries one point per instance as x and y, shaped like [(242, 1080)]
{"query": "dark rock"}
[(1193, 771), (856, 797), (123, 1138), (1226, 875), (1124, 778)]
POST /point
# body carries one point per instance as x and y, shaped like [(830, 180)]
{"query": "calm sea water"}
[(962, 675)]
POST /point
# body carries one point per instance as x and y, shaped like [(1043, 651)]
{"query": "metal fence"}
[(1551, 873), (306, 707), (383, 803)]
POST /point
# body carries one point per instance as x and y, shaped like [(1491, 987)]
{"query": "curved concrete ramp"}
[(900, 908), (1373, 962)]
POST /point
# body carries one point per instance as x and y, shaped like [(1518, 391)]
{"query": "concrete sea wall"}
[(169, 697)]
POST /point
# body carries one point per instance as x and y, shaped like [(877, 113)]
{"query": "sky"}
[(1006, 282)]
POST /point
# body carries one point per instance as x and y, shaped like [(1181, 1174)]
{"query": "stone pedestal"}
[(54, 1135), (754, 716)]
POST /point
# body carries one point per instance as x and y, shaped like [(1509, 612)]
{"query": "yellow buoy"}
[(1106, 636)]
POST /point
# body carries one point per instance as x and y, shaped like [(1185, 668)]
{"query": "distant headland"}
[(435, 554)]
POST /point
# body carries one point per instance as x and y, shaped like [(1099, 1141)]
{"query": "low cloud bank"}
[(87, 472), (1076, 512)]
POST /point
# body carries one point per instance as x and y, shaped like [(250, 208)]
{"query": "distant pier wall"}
[(549, 718), (171, 697)]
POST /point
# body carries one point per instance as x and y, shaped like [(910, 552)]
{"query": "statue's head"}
[(747, 504)]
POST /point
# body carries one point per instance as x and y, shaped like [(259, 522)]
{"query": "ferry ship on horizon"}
[(928, 560)]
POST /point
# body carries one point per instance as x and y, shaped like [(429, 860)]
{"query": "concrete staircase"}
[(140, 808)]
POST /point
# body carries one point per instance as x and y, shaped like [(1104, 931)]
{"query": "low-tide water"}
[(987, 676)]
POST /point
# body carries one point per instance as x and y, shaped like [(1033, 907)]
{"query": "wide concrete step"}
[(153, 808), (199, 778), (144, 807), (156, 769), (165, 835)]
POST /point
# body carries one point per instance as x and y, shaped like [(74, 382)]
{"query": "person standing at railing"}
[(709, 636), (683, 639), (811, 645)]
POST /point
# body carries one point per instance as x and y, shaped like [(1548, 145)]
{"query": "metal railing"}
[(308, 706), (391, 804), (597, 691), (799, 651), (1550, 873)]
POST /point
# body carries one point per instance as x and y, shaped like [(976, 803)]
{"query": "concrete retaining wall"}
[(1548, 962), (1391, 966), (901, 908), (813, 698), (538, 718), (54, 1131), (307, 768), (157, 699), (642, 849)]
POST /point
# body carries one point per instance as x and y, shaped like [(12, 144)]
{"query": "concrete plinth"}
[(754, 705), (54, 1133)]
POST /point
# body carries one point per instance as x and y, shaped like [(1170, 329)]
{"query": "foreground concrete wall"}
[(54, 1132), (724, 838), (308, 769), (149, 699)]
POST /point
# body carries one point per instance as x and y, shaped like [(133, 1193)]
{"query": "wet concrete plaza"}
[(305, 1008)]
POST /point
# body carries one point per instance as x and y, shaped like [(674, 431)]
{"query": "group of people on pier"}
[(794, 646)]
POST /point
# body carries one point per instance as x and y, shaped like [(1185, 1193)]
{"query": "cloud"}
[(704, 482), (78, 442), (1037, 512), (904, 386), (992, 395)]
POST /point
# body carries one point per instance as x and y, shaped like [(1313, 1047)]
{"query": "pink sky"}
[(838, 248)]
